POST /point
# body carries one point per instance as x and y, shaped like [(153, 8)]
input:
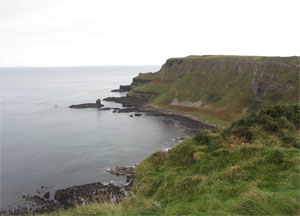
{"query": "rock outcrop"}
[(77, 195), (123, 88), (127, 101), (88, 193), (88, 105), (227, 86)]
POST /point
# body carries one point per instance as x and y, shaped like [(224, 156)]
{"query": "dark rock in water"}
[(128, 110), (128, 172), (135, 104), (77, 195), (123, 171), (116, 110), (88, 105), (127, 101), (37, 199), (123, 88), (192, 124), (98, 101), (178, 140), (25, 196), (131, 115), (137, 114), (106, 108), (47, 195), (88, 193)]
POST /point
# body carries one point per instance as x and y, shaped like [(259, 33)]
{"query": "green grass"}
[(250, 168), (224, 84)]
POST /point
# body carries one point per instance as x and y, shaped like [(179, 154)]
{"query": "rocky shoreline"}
[(77, 195), (127, 101), (138, 106), (99, 192)]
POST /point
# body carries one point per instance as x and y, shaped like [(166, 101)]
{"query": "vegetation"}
[(226, 86), (249, 168)]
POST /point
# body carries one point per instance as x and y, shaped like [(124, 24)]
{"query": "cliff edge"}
[(220, 89)]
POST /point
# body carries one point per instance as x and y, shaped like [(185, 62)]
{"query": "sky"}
[(143, 32)]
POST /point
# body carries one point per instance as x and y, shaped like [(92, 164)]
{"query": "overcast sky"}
[(139, 32)]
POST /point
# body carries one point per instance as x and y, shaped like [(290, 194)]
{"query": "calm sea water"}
[(45, 143)]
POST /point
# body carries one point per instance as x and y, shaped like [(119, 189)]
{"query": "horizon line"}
[(80, 66)]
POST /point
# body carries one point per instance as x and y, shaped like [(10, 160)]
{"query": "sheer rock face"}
[(262, 88), (226, 85), (266, 75)]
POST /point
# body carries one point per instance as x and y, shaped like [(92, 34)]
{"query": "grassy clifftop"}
[(220, 89), (250, 168)]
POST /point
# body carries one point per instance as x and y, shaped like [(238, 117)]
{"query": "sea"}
[(45, 144)]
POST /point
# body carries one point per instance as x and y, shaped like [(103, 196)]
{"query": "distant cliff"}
[(220, 89)]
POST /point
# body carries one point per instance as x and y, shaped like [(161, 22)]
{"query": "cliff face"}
[(221, 87), (269, 75)]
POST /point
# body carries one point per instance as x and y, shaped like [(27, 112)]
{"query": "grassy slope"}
[(222, 83), (250, 168)]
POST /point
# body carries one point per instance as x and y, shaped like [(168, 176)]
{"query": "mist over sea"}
[(45, 143)]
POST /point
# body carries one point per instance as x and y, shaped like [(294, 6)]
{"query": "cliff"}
[(248, 168), (220, 89)]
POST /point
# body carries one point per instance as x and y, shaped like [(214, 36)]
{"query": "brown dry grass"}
[(225, 115)]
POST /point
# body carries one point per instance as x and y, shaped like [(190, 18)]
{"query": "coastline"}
[(98, 192), (136, 105), (76, 195)]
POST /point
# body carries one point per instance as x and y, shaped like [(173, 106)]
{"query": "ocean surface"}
[(46, 144)]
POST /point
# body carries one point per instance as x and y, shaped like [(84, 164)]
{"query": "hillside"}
[(250, 168), (220, 89)]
